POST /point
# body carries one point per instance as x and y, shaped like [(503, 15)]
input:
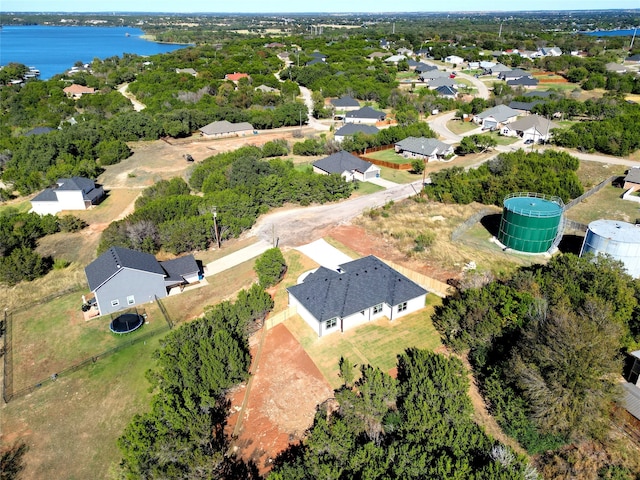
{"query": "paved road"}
[(301, 225), (311, 120)]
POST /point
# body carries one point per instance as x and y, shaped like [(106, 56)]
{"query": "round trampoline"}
[(126, 323)]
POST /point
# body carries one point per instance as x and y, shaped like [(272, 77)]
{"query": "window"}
[(402, 307), (115, 303), (377, 308), (332, 322), (130, 300)]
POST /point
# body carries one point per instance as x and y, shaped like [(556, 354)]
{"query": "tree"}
[(270, 267)]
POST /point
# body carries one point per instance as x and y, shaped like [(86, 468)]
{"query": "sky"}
[(296, 6)]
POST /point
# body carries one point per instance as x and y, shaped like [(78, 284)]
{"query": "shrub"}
[(270, 267)]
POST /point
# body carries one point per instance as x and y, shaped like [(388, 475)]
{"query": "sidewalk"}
[(236, 258)]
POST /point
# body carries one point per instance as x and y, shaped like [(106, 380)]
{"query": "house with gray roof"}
[(447, 91), (524, 107), (122, 278), (39, 131), (395, 59), (347, 166), (498, 68), (223, 128), (631, 388), (345, 103), (427, 149), (266, 89), (513, 74), (75, 193), (350, 129), (494, 117), (632, 179), (364, 115), (525, 82), (433, 74), (531, 127), (423, 67), (441, 82), (358, 292)]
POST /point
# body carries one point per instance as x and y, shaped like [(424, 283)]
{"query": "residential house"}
[(364, 115), (513, 74), (632, 179), (524, 82), (223, 128), (121, 278), (357, 292), (405, 51), (345, 103), (524, 108), (189, 71), (540, 94), (495, 117), (428, 149), (347, 166), (487, 65), (447, 92), (274, 45), (317, 57), (266, 89), (551, 52), (395, 59), (39, 131), (531, 127), (441, 82), (76, 91), (615, 67), (423, 67), (498, 69), (631, 388), (384, 43), (235, 76), (633, 58), (455, 59), (374, 55), (350, 129), (75, 193), (433, 74)]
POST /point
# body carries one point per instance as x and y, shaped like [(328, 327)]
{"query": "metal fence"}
[(588, 193), (470, 222), (9, 394)]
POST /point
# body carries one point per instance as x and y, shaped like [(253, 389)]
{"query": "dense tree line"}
[(418, 426), (240, 185), (19, 233), (183, 434), (550, 172), (546, 346)]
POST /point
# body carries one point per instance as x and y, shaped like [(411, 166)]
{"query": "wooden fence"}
[(431, 284), (382, 163), (275, 319)]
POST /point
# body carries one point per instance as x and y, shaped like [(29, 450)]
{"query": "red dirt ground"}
[(284, 391)]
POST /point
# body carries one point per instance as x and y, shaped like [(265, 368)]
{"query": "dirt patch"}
[(285, 389), (361, 241)]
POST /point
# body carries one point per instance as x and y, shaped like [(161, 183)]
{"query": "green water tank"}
[(530, 222)]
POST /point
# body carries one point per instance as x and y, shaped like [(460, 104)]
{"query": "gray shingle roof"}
[(117, 258), (353, 128), (526, 106), (362, 284), (500, 112), (424, 146), (540, 93), (223, 126), (633, 175), (179, 267), (441, 82), (526, 81), (342, 161), (39, 131), (47, 195), (345, 101), (631, 399), (446, 90), (366, 112)]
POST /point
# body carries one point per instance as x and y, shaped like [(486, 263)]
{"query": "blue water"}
[(54, 50), (612, 33)]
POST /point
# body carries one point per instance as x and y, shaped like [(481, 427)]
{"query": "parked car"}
[(528, 141)]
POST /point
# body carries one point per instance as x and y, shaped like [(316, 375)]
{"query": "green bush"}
[(270, 267)]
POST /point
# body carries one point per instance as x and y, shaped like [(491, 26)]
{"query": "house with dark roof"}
[(531, 127), (524, 107), (357, 292), (423, 67), (540, 94), (632, 179), (121, 278), (39, 131), (223, 128), (433, 74), (495, 117), (350, 129), (526, 82), (423, 148), (513, 74), (631, 388), (347, 166), (75, 193), (364, 115), (441, 82), (447, 91), (345, 103)]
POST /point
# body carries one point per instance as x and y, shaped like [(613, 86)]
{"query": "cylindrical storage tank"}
[(621, 240), (530, 222)]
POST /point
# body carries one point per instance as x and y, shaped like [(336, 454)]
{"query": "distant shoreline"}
[(152, 38)]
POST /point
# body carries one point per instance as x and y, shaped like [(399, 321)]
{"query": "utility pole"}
[(215, 225)]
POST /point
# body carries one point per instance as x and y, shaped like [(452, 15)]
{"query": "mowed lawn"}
[(605, 204), (48, 338), (377, 344)]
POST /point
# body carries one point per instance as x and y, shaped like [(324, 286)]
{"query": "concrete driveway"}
[(382, 182), (324, 254)]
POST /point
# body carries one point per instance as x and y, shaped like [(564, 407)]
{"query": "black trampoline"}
[(126, 323)]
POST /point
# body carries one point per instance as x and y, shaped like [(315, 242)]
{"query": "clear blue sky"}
[(297, 6)]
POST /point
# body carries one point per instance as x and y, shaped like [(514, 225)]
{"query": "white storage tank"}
[(620, 240)]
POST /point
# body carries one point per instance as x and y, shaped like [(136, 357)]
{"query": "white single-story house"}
[(350, 129), (364, 115), (531, 127), (121, 278), (357, 292), (424, 148), (189, 71), (455, 59), (266, 89), (395, 59), (75, 193), (495, 117), (224, 128), (348, 166)]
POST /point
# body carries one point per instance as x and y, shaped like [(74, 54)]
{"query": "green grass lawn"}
[(459, 127), (365, 188), (399, 176), (501, 139), (17, 206), (605, 204), (389, 155), (377, 343)]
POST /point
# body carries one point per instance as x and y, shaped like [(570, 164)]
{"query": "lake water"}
[(612, 33), (54, 50)]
